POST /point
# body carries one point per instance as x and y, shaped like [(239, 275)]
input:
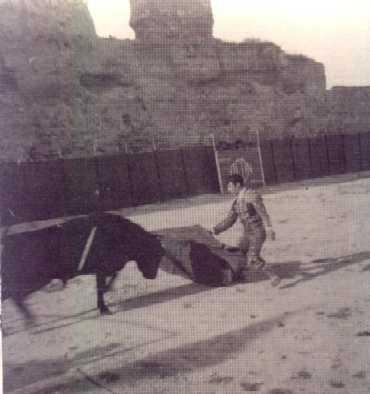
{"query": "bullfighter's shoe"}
[(275, 280), (56, 285), (244, 275), (227, 277), (258, 264)]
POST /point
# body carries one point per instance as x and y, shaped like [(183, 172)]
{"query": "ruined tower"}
[(168, 20)]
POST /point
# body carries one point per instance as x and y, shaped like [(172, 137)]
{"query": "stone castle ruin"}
[(64, 92)]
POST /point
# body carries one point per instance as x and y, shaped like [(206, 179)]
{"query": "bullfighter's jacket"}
[(249, 208)]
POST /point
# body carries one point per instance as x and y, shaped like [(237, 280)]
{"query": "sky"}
[(334, 32)]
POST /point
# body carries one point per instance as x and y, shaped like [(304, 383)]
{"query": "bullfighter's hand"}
[(271, 234)]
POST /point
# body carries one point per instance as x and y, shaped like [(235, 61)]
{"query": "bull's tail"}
[(4, 232), (5, 294)]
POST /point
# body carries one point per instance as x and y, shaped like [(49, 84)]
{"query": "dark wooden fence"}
[(304, 158), (44, 190)]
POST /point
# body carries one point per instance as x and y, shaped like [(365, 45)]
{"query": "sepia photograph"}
[(185, 196)]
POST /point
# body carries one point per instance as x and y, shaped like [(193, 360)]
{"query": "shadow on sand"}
[(322, 267), (164, 364), (31, 372), (288, 270), (121, 306)]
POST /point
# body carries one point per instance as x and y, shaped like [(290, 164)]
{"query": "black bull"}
[(31, 260)]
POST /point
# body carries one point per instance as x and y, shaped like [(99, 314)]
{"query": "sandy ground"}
[(311, 334)]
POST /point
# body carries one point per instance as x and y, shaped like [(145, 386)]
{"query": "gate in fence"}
[(292, 159), (43, 190)]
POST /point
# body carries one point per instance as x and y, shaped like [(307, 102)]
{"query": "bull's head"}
[(150, 257)]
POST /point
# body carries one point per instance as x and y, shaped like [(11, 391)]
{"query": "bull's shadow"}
[(284, 270), (326, 266), (160, 297), (142, 301), (289, 270), (18, 375), (184, 359)]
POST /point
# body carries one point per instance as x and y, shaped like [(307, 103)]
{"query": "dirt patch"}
[(337, 384), (360, 375), (320, 313), (246, 386), (342, 313), (156, 369), (337, 363), (303, 375), (365, 333), (217, 379), (109, 377)]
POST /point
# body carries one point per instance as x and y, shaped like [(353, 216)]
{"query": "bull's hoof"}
[(275, 281), (56, 285), (244, 276), (227, 277), (29, 323), (106, 312)]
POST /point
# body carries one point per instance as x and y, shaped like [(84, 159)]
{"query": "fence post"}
[(187, 185), (217, 165), (260, 157), (308, 142), (161, 195), (327, 153), (292, 155), (274, 161), (130, 180), (344, 155), (360, 149)]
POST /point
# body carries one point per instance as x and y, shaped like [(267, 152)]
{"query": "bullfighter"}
[(249, 208)]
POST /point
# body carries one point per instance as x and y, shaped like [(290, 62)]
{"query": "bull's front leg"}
[(30, 319), (110, 282), (100, 290)]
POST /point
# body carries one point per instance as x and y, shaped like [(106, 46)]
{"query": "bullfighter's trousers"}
[(251, 242)]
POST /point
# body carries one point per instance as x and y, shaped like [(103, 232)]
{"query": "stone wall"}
[(64, 92), (349, 109), (167, 20)]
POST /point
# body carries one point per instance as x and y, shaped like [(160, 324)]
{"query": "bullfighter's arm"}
[(228, 222)]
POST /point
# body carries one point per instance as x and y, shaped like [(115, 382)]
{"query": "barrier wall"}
[(336, 157), (303, 158), (319, 157), (200, 169), (44, 190), (365, 151), (284, 161), (352, 153), (171, 169), (114, 182)]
